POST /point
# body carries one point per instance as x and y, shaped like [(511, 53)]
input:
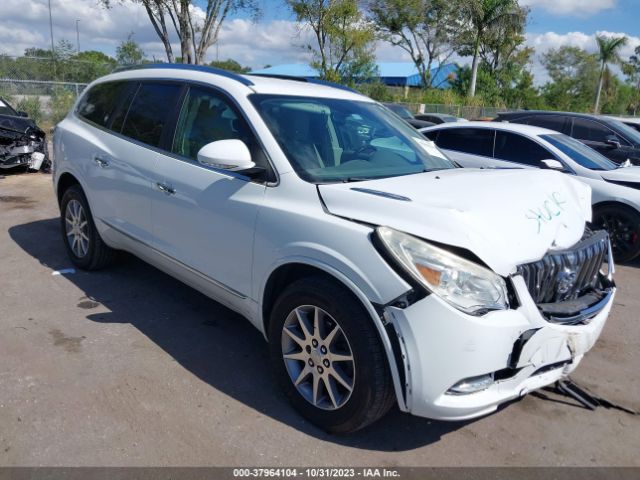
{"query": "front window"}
[(629, 133), (6, 109), (333, 140), (579, 152)]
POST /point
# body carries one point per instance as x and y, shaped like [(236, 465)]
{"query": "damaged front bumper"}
[(22, 149), (512, 352)]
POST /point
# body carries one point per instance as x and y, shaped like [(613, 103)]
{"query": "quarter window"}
[(150, 111), (99, 102), (517, 148), (476, 141)]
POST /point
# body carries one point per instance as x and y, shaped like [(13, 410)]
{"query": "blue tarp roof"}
[(391, 73)]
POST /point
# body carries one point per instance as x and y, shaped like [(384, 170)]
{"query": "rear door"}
[(127, 166), (470, 147), (202, 217)]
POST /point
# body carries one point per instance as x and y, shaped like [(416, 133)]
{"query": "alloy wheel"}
[(318, 357), (77, 228), (622, 232)]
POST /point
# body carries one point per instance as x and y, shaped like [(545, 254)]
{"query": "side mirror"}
[(552, 165), (23, 114), (232, 155), (613, 142)]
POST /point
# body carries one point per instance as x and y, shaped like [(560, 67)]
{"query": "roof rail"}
[(316, 81), (184, 66)]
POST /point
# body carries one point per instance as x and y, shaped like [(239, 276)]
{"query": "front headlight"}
[(465, 285)]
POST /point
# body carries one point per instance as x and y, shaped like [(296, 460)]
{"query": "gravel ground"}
[(128, 366)]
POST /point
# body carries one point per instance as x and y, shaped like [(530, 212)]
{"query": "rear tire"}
[(318, 324), (623, 225), (84, 246)]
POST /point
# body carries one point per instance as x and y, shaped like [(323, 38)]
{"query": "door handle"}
[(101, 160), (165, 188)]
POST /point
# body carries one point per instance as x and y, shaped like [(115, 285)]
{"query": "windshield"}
[(629, 133), (579, 152), (333, 140), (399, 110), (5, 109)]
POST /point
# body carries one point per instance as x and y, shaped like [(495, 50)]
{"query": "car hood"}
[(18, 124), (628, 174), (505, 217)]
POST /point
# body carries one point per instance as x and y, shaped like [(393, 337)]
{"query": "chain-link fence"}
[(46, 87), (466, 111)]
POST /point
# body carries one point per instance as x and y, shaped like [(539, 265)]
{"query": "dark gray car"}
[(611, 138), (20, 137)]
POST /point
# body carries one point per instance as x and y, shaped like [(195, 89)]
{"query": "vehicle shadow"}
[(206, 338)]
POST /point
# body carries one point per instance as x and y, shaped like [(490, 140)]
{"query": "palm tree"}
[(481, 16), (609, 48)]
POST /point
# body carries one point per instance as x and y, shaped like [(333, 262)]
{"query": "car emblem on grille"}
[(566, 279)]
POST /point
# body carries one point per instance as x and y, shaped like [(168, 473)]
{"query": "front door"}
[(205, 218)]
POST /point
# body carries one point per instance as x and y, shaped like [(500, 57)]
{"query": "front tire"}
[(328, 357), (84, 246), (623, 225)]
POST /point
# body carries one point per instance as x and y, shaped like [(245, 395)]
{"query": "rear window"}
[(552, 122), (150, 112), (476, 141), (99, 103), (516, 148)]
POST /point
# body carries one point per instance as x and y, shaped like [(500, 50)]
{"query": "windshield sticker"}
[(552, 207), (430, 148), (2, 104)]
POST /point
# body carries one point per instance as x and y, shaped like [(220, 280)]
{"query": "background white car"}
[(616, 190)]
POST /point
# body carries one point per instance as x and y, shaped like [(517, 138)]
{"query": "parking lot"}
[(128, 366)]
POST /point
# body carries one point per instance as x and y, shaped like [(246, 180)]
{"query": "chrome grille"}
[(567, 274)]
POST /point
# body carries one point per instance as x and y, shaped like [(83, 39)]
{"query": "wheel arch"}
[(614, 203), (65, 181), (289, 272)]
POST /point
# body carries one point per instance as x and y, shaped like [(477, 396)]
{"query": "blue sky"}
[(624, 16), (276, 38)]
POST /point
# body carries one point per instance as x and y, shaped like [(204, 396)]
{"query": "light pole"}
[(78, 35), (51, 27), (53, 54)]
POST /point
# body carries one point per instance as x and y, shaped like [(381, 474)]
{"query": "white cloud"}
[(543, 42), (581, 8), (26, 24)]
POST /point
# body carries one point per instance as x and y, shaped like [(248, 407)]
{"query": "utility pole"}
[(53, 57), (78, 35)]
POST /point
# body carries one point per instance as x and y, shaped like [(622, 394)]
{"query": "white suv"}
[(378, 271)]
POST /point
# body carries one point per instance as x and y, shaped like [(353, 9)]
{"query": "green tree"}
[(425, 29), (482, 17), (129, 52), (343, 39), (230, 65), (574, 76), (196, 33), (608, 52), (632, 70)]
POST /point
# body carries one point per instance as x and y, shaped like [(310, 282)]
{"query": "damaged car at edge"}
[(378, 271), (22, 143)]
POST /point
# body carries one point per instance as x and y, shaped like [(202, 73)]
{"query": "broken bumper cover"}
[(26, 149), (441, 346)]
